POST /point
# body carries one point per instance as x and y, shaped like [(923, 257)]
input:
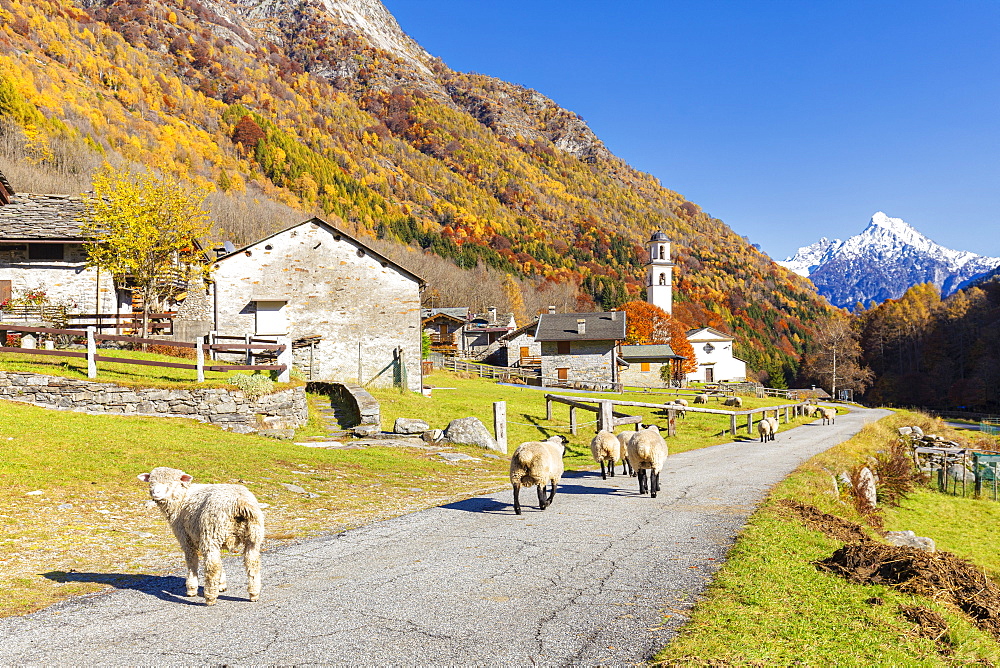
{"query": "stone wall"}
[(587, 361), (230, 409), (364, 409)]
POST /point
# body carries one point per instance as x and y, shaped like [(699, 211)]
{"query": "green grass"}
[(128, 375), (769, 605), (474, 396)]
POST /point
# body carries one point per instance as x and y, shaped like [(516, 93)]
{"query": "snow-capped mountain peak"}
[(882, 262)]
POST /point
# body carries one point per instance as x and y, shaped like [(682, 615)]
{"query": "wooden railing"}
[(161, 323), (282, 351)]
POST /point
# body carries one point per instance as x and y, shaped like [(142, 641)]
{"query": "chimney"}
[(614, 316), (552, 309), (581, 326), (493, 314)]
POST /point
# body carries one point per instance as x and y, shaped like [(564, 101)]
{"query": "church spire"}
[(659, 273)]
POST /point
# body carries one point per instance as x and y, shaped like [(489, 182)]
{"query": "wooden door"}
[(525, 352), (5, 291), (562, 374), (709, 375)]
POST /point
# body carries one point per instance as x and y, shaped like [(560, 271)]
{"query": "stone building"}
[(42, 248), (644, 365), (352, 314), (580, 347)]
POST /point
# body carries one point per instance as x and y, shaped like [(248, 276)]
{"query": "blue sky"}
[(787, 120)]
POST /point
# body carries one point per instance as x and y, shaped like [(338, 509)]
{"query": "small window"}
[(271, 317), (644, 367), (563, 347), (45, 251), (562, 374)]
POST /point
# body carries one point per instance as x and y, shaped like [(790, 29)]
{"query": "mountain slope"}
[(329, 107), (882, 262)]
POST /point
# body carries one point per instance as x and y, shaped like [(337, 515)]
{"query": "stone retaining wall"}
[(363, 407), (271, 414)]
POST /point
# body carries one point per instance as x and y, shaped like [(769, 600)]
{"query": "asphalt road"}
[(603, 576)]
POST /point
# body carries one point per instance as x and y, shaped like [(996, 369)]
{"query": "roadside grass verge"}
[(90, 526), (770, 605)]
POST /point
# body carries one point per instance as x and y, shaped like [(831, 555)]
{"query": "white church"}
[(713, 350)]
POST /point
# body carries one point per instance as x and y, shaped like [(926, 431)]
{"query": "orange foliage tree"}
[(648, 324)]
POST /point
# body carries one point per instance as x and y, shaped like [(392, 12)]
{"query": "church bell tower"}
[(660, 273)]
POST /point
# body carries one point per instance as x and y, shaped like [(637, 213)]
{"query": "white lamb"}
[(766, 430), (828, 414), (205, 519), (537, 463), (623, 439), (648, 450), (606, 449), (679, 405)]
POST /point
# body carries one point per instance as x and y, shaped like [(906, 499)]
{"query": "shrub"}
[(253, 386)]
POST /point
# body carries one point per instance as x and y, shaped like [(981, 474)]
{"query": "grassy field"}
[(74, 519), (128, 375), (770, 605)]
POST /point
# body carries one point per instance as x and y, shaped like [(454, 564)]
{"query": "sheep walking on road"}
[(205, 519), (537, 463), (648, 451), (766, 430), (809, 410), (828, 414), (623, 439), (774, 426), (606, 450)]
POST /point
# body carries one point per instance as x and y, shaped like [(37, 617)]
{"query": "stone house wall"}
[(587, 360), (635, 377), (364, 309), (230, 409), (66, 282)]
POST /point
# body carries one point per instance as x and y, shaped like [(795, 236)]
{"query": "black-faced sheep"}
[(537, 463), (774, 426), (809, 410), (734, 401), (205, 519), (828, 414), (701, 399), (679, 405), (606, 450), (623, 439), (648, 450)]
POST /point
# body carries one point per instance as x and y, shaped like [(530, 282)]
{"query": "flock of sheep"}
[(205, 518)]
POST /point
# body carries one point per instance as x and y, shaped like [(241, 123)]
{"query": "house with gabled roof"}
[(351, 313), (42, 248), (713, 351), (643, 365), (580, 348)]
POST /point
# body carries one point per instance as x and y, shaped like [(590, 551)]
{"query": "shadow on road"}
[(494, 507), (164, 587)]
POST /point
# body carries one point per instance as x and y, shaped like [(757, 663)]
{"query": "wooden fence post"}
[(500, 423), (572, 420), (249, 360), (199, 357), (91, 354), (605, 418), (750, 423), (285, 357), (732, 424), (548, 410), (671, 422)]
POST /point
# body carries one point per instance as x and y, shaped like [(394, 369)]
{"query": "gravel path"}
[(604, 576)]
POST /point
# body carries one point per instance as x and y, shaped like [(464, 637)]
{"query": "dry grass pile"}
[(830, 525), (940, 576)]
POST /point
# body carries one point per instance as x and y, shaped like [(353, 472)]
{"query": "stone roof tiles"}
[(31, 217), (596, 326)]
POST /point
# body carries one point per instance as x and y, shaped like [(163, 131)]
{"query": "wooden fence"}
[(123, 323), (608, 419), (281, 350)]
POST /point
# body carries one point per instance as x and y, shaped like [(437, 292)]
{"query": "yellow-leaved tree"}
[(144, 230)]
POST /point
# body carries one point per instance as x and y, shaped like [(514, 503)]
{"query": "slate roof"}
[(563, 326), (458, 312), (655, 351), (31, 217)]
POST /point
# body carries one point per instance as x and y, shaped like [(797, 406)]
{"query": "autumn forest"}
[(489, 190)]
